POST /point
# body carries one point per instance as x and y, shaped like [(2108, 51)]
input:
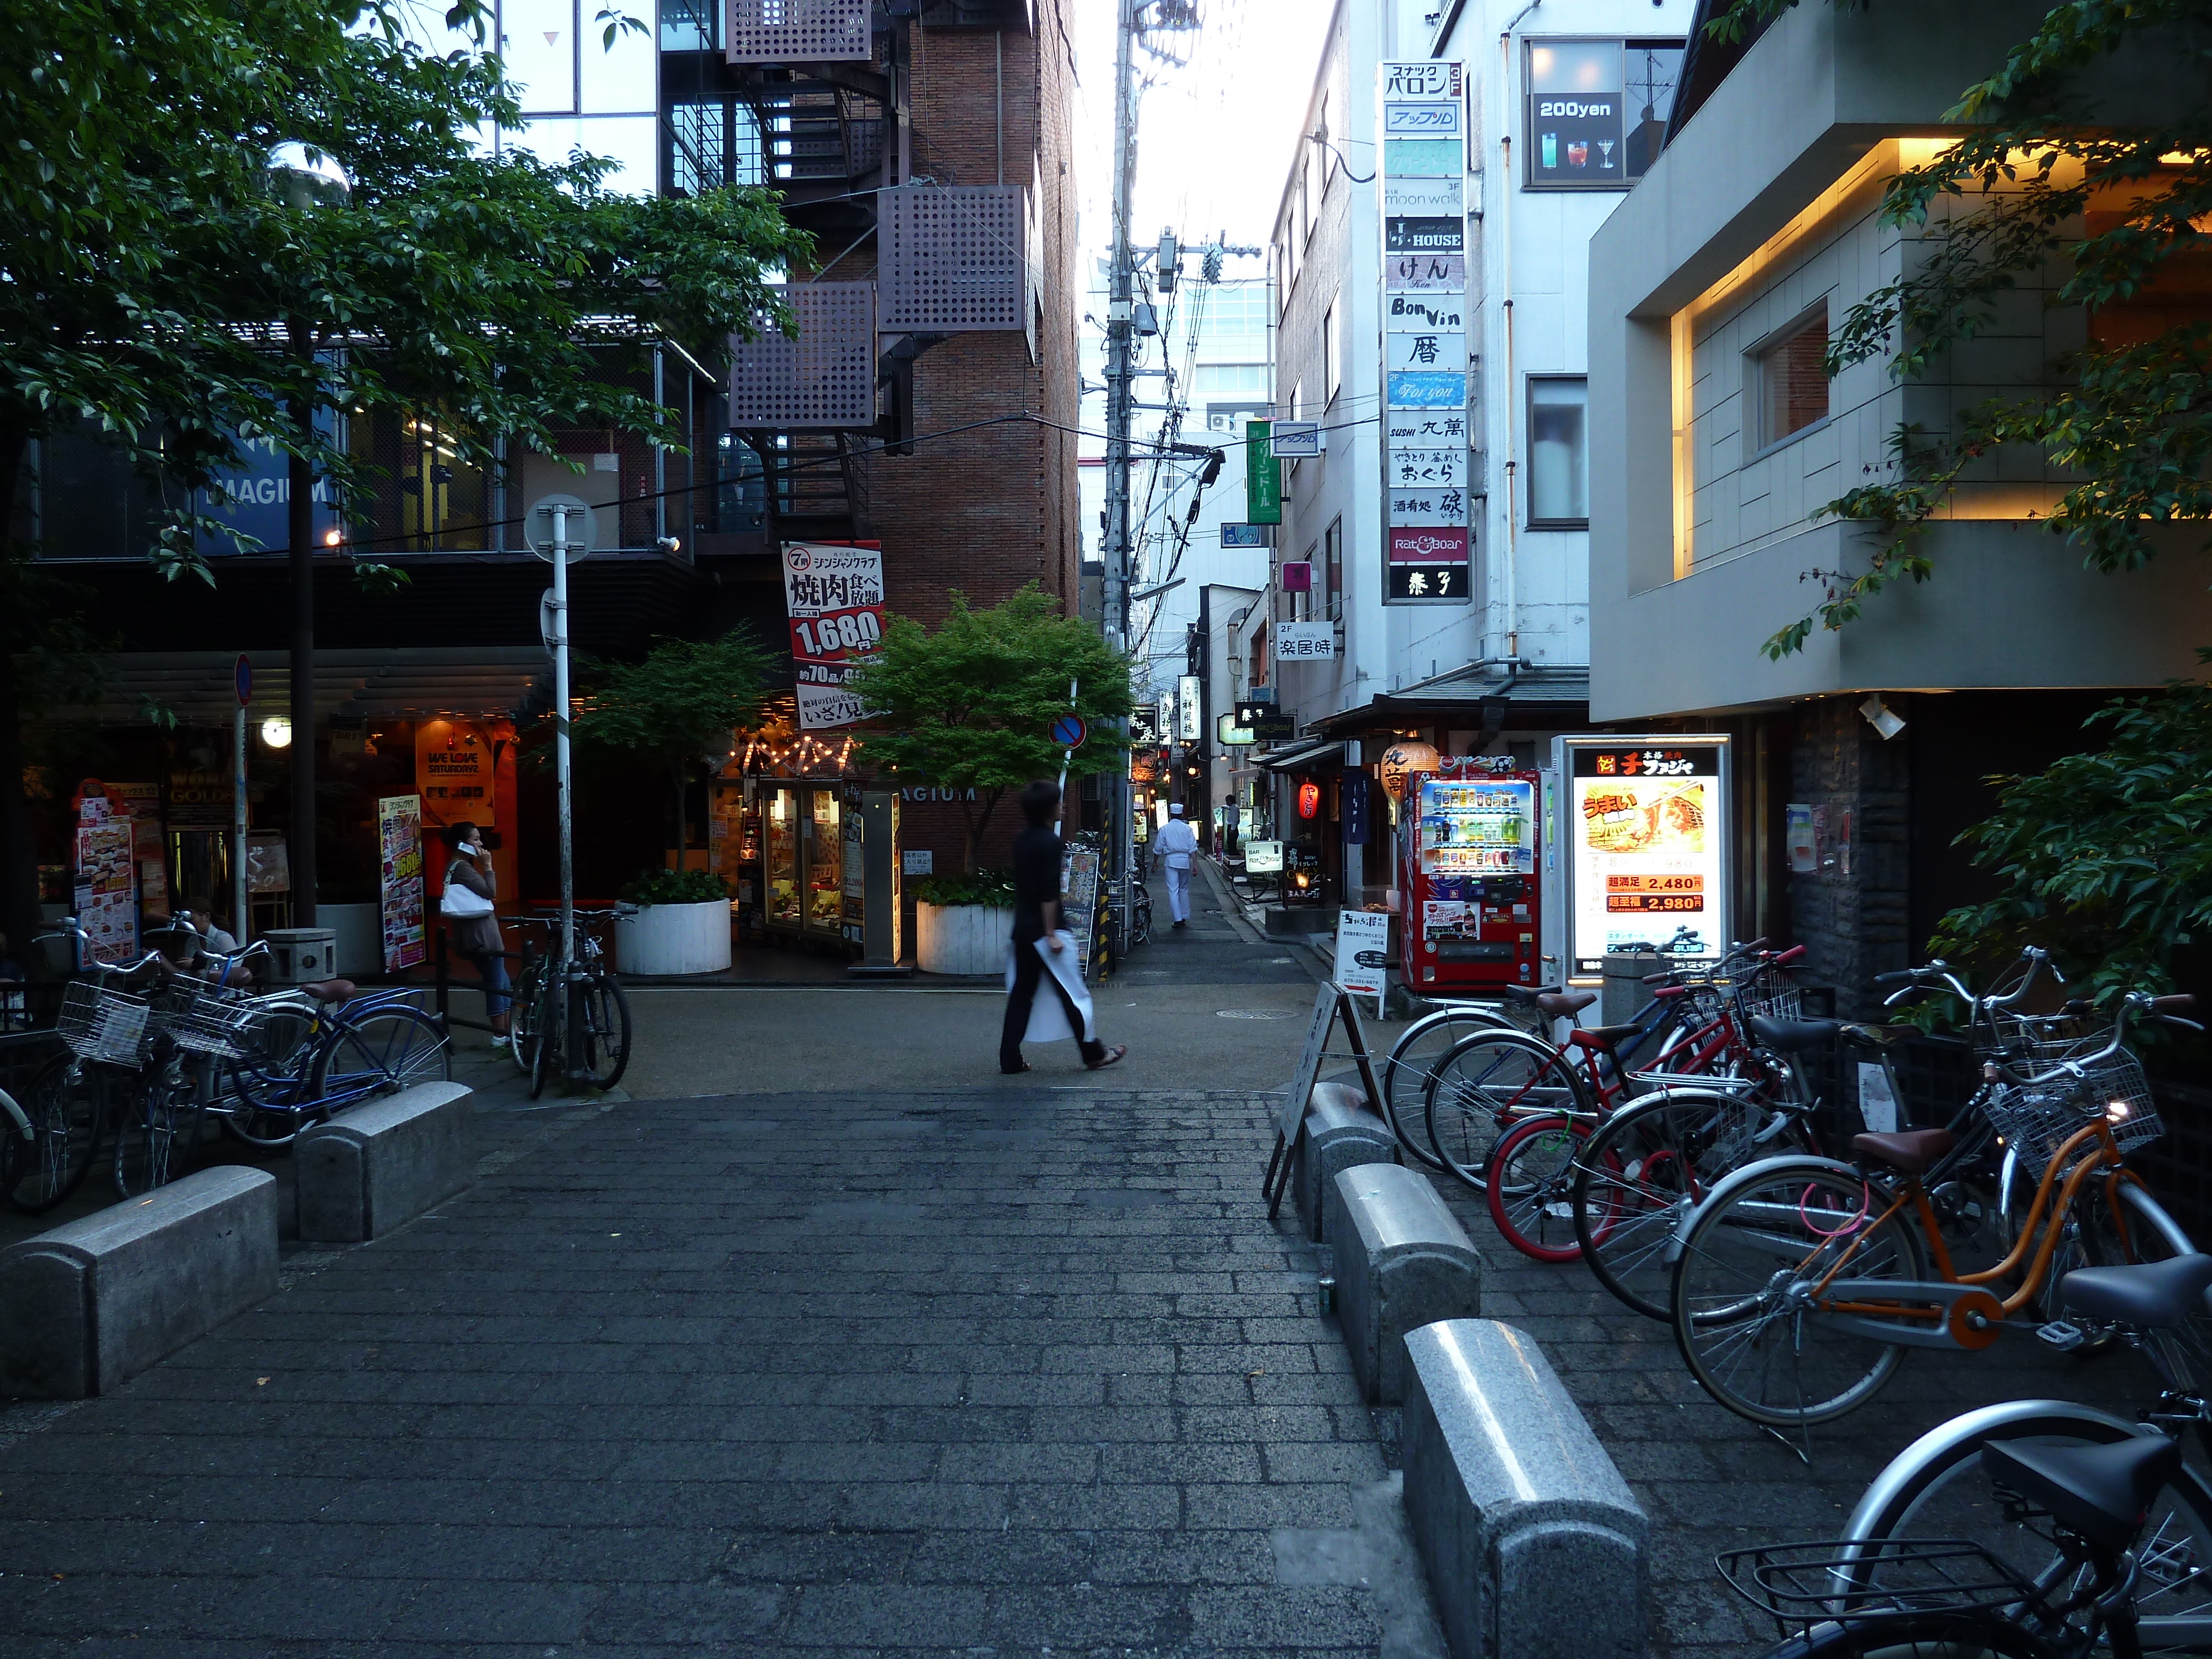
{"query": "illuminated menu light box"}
[(1647, 861)]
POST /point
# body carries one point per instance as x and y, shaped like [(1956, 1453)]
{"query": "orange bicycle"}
[(1801, 1280)]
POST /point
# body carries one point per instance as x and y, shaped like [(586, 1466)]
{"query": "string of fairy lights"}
[(800, 753)]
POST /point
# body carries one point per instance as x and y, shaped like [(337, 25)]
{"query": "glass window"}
[(1596, 113), (1332, 567), (1790, 376), (1558, 452), (1331, 352), (1229, 377), (1654, 67)]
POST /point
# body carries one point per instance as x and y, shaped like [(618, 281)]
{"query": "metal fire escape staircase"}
[(810, 98)]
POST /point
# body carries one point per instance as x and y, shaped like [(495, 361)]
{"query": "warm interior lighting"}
[(331, 538)]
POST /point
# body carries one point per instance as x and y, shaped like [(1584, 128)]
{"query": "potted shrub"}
[(963, 924), (673, 921)]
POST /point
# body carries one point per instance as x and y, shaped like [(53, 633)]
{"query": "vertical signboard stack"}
[(1422, 172)]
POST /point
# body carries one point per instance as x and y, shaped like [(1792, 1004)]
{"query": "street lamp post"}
[(306, 180)]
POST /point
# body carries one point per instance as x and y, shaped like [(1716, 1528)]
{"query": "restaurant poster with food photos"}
[(107, 886), (1647, 866), (399, 880)]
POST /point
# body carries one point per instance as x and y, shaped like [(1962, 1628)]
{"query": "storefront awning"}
[(486, 683), (1302, 757), (1523, 696)]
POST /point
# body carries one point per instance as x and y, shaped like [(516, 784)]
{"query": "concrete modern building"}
[(1716, 437), (1430, 252)]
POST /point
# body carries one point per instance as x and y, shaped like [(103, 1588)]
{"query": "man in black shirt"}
[(1036, 916)]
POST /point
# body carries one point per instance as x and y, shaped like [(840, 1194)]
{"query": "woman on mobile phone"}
[(471, 924)]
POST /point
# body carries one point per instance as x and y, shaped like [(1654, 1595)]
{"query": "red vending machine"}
[(1467, 839)]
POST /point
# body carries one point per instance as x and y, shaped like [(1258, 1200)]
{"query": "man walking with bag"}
[(1044, 955), (1176, 845)]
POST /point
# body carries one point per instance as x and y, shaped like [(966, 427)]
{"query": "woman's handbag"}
[(463, 903)]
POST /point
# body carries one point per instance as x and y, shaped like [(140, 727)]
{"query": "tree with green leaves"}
[(2118, 209), (153, 285), (969, 705), (2103, 859), (679, 705)]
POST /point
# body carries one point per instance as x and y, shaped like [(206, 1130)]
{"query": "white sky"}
[(1215, 138)]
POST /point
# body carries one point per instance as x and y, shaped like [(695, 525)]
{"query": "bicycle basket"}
[(99, 1023), (202, 1024), (1772, 992), (1803, 1585), (2040, 1118)]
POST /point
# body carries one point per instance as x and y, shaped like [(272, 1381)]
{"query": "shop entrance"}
[(804, 872)]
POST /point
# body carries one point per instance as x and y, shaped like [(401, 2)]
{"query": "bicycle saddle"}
[(1908, 1150), (2102, 1492), (2157, 1294), (1790, 1037), (1557, 1005), (330, 990)]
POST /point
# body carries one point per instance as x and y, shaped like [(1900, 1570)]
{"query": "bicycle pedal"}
[(2061, 1336)]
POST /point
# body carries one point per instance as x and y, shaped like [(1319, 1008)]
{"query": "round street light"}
[(276, 732)]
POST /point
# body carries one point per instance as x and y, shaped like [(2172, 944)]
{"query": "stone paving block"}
[(92, 1304), (1402, 1261), (1515, 1507)]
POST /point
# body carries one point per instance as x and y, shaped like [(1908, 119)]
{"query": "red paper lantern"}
[(1308, 799)]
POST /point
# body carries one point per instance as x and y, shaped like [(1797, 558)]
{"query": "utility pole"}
[(1120, 322)]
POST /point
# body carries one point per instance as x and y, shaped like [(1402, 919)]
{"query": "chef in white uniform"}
[(1174, 847)]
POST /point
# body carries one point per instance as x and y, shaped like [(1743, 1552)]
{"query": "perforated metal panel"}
[(798, 31), (950, 258), (825, 378)]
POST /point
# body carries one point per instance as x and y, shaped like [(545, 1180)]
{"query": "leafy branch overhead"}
[(163, 293), (2033, 185), (971, 704)]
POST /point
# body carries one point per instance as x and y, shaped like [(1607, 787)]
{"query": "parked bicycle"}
[(570, 1018), (1801, 1280), (2035, 1526)]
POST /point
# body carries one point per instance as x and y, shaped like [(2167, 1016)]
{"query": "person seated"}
[(221, 950)]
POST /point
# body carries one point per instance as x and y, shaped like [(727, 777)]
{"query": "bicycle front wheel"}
[(67, 1104), (1531, 1185), (1936, 1488), (1748, 1291), (155, 1135), (523, 1015), (1413, 1066), (1643, 1173), (601, 1013), (1481, 1087), (387, 1049)]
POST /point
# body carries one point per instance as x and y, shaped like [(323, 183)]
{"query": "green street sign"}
[(1263, 477)]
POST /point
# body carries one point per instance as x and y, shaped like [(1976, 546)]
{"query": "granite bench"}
[(1402, 1261), (1339, 1131), (1534, 1544), (377, 1166), (89, 1306)]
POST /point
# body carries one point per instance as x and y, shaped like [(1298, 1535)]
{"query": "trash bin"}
[(301, 956), (1626, 992)]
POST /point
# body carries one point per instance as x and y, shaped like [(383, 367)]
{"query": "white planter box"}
[(962, 939), (673, 938)]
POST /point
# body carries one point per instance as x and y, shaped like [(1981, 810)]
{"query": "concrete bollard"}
[(1534, 1544), (88, 1306), (378, 1166), (1402, 1261), (1338, 1131)]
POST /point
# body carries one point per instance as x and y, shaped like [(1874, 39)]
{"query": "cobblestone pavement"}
[(931, 1374)]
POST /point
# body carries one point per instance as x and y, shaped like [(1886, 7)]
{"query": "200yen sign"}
[(837, 635)]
